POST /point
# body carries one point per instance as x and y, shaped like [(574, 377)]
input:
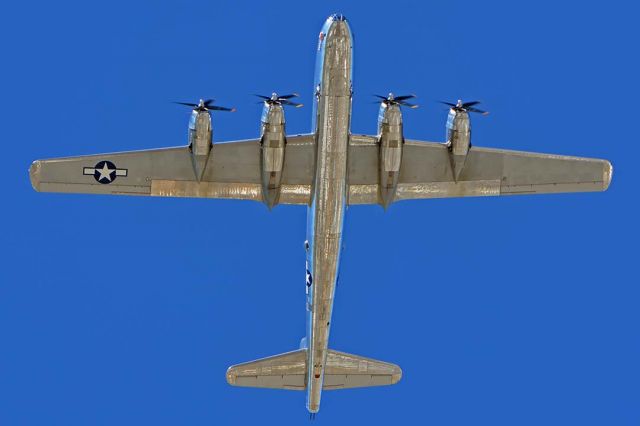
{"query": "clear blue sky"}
[(501, 311)]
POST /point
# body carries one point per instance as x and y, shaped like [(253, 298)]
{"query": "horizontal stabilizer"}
[(284, 371), (345, 370), (288, 371)]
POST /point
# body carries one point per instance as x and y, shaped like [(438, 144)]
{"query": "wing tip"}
[(607, 175), (34, 174), (231, 376), (397, 375)]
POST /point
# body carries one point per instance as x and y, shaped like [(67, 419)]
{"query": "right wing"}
[(233, 171), (426, 172)]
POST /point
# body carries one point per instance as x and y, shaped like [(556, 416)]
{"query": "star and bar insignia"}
[(104, 172)]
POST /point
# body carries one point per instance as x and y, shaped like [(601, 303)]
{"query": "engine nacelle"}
[(458, 139), (391, 140), (200, 140), (272, 141)]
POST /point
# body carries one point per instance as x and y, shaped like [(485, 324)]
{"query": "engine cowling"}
[(272, 141), (200, 133), (458, 140), (391, 140), (200, 140)]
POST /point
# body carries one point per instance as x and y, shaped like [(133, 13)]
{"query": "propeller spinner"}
[(466, 106), (391, 99), (276, 99), (206, 105)]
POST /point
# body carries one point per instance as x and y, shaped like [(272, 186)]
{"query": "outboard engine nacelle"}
[(459, 134), (200, 140), (272, 141), (458, 140), (201, 134)]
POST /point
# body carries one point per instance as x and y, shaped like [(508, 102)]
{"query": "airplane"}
[(327, 170)]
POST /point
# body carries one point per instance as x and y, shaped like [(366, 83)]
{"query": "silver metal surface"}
[(326, 214), (284, 371), (391, 142), (232, 169), (345, 370), (272, 143), (200, 140), (458, 140), (288, 371), (427, 172), (289, 194), (325, 170)]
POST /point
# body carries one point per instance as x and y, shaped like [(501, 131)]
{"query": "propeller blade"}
[(384, 98), (448, 103), (292, 95), (470, 104), (407, 104), (266, 98), (186, 103), (219, 108), (207, 102), (479, 111), (286, 102), (403, 98)]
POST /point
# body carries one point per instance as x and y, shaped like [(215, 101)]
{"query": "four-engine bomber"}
[(326, 170)]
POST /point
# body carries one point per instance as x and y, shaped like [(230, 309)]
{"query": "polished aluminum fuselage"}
[(325, 217)]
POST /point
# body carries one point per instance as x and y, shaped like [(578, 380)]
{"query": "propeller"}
[(466, 106), (391, 99), (276, 99), (206, 105)]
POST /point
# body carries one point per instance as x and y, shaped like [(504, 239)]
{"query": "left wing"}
[(233, 171), (426, 172)]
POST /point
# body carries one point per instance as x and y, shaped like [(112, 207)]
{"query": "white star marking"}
[(105, 172)]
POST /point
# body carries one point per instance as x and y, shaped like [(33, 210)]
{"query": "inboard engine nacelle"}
[(391, 140), (272, 141)]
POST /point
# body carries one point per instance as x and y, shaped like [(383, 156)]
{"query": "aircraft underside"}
[(327, 170)]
